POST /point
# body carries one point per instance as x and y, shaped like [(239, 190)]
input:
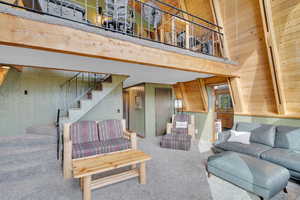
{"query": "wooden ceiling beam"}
[(17, 31), (19, 68), (215, 80), (273, 55)]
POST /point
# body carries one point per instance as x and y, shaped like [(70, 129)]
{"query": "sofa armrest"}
[(132, 137), (191, 130), (67, 164), (169, 128), (222, 137)]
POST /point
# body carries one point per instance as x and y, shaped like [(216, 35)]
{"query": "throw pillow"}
[(181, 125), (239, 136)]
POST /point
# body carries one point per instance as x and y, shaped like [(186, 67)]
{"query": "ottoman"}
[(176, 141), (260, 177)]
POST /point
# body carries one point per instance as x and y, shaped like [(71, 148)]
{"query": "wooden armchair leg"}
[(285, 190)]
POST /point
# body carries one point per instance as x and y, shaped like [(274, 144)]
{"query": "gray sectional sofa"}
[(277, 144)]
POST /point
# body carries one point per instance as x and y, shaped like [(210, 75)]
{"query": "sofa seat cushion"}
[(110, 129), (176, 141), (94, 148), (258, 176), (84, 132), (252, 149), (284, 157), (288, 137)]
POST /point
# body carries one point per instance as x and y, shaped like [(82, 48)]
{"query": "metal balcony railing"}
[(153, 20)]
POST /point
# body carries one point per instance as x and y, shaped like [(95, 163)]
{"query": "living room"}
[(129, 99)]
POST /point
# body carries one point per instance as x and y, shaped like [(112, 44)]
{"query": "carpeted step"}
[(46, 186), (25, 157), (42, 130), (14, 172), (12, 150), (26, 141)]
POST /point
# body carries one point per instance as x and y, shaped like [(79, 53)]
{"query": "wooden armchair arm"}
[(191, 130), (132, 137), (169, 128), (67, 152)]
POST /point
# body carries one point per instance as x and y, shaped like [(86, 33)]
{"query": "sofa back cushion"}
[(288, 137), (179, 120), (110, 129), (246, 127), (83, 132), (265, 134)]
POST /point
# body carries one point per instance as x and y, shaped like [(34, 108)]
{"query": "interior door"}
[(163, 109)]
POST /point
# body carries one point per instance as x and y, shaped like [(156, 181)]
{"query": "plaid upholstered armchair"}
[(89, 138), (180, 132)]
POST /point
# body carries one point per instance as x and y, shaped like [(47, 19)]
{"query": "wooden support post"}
[(273, 55), (162, 29), (204, 95), (87, 193), (81, 183), (67, 165), (143, 173), (187, 35), (173, 31), (3, 73), (236, 95)]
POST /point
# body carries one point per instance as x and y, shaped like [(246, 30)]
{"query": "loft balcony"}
[(155, 33)]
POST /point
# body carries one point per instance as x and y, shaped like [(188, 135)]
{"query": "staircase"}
[(83, 92)]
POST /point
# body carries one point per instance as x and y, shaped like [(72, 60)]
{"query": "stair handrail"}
[(57, 134), (78, 86)]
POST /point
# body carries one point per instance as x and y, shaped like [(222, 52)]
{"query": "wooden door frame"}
[(124, 89), (165, 88)]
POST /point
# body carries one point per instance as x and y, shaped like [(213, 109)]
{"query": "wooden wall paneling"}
[(200, 8), (273, 54), (245, 39), (177, 91), (186, 105), (182, 6), (286, 17), (193, 93)]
